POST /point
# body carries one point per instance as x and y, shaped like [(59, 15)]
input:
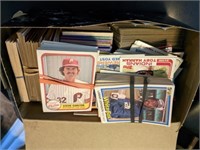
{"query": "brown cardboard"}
[(188, 81), (65, 131), (46, 134)]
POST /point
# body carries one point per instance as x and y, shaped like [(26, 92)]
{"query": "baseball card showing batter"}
[(66, 80)]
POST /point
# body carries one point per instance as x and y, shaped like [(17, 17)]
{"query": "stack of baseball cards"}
[(103, 40), (145, 99), (67, 76)]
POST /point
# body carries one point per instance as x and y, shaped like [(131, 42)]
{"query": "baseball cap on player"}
[(70, 62)]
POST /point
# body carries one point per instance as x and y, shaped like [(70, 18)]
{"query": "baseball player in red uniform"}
[(68, 94)]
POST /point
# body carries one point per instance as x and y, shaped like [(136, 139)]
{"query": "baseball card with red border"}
[(160, 66), (67, 75)]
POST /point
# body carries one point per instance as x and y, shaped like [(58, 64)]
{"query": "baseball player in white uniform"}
[(68, 94)]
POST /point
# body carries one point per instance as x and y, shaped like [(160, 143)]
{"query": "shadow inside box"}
[(189, 133), (187, 140)]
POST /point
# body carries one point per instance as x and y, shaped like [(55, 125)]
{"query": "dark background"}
[(184, 11)]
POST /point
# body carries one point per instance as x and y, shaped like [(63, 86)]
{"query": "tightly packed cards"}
[(152, 105), (65, 83)]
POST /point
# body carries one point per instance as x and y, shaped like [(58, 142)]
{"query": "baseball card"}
[(111, 62), (161, 66), (114, 104), (108, 62), (66, 78)]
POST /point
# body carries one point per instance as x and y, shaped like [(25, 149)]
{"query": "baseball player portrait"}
[(120, 106), (154, 103), (69, 69)]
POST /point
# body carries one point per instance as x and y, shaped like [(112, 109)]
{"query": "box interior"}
[(188, 81), (186, 85)]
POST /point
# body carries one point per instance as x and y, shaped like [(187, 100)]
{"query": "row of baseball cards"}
[(70, 82)]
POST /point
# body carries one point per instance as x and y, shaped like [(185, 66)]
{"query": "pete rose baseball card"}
[(66, 78)]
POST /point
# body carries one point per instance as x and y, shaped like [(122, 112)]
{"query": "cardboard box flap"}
[(188, 81)]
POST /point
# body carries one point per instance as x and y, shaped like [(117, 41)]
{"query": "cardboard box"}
[(69, 132), (65, 131)]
